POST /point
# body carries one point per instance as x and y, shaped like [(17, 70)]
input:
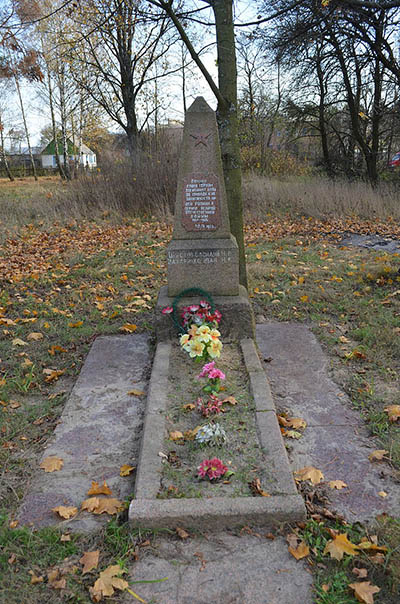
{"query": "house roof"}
[(50, 148)]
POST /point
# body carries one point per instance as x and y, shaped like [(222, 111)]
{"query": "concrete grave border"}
[(215, 512)]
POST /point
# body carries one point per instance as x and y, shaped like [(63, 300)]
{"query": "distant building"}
[(85, 157)]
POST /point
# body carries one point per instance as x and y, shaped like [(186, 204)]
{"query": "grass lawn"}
[(64, 284)]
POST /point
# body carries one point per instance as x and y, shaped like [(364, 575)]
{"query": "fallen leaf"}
[(108, 581), (177, 435), (76, 324), (296, 423), (126, 469), (393, 412), (128, 328), (309, 473), (378, 558), (108, 506), (339, 546), (136, 392), (361, 573), (364, 591), (230, 400), (35, 579), (35, 336), (189, 407), (65, 511), (301, 551), (255, 488), (89, 561), (53, 349), (337, 484), (377, 455), (90, 504), (97, 489), (382, 494), (369, 546), (65, 537), (52, 375), (52, 464), (13, 524), (303, 298), (182, 533), (54, 579), (326, 587), (19, 342), (293, 434)]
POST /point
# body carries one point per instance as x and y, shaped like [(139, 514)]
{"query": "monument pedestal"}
[(237, 315), (210, 264)]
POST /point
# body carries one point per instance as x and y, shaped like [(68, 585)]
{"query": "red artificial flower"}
[(211, 468)]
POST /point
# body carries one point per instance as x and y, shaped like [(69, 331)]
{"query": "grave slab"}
[(335, 439), (98, 432)]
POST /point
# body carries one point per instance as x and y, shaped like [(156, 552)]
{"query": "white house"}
[(86, 157)]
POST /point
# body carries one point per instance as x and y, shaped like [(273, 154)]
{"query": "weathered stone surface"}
[(237, 315), (201, 210), (335, 440), (203, 253), (210, 265), (98, 432), (242, 569)]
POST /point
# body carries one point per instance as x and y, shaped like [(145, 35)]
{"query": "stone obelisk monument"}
[(203, 253)]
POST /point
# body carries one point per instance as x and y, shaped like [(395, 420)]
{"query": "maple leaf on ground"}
[(230, 400), (176, 435), (52, 464), (54, 579), (299, 552), (339, 546), (128, 328), (292, 434), (97, 489), (182, 533), (35, 336), (90, 504), (19, 342), (89, 561), (109, 579), (52, 375), (76, 324), (337, 484), (65, 511), (361, 573), (377, 455), (189, 407), (364, 591), (126, 469), (35, 579), (393, 412), (55, 348), (309, 473), (108, 506)]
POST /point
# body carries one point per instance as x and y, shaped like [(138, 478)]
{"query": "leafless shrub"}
[(319, 197)]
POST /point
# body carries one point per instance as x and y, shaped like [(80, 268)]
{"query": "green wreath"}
[(191, 291)]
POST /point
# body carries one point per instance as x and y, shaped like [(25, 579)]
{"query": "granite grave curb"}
[(146, 511)]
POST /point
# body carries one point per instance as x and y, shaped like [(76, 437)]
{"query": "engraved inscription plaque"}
[(201, 206)]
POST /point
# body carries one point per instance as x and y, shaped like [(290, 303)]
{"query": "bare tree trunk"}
[(25, 126), (227, 117), (3, 153), (63, 114), (53, 122)]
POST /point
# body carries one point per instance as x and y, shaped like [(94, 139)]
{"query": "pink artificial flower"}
[(167, 310), (193, 308), (211, 468), (211, 407), (204, 304), (206, 369), (215, 374)]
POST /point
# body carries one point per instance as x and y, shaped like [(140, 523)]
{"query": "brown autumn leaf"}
[(55, 580), (309, 473), (76, 324), (326, 587), (292, 434), (35, 336), (108, 506), (55, 348), (393, 412), (339, 546), (90, 504), (378, 558), (176, 435), (182, 533), (52, 375), (299, 552), (382, 494), (52, 464), (34, 578), (337, 484), (361, 573), (128, 328), (65, 511), (189, 407), (109, 579), (97, 489), (126, 469), (190, 434), (296, 423), (256, 489), (65, 537), (377, 455), (19, 342), (372, 547), (364, 591), (89, 561), (230, 400), (136, 392)]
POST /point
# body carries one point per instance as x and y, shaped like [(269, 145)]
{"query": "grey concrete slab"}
[(98, 432), (237, 570), (335, 440)]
